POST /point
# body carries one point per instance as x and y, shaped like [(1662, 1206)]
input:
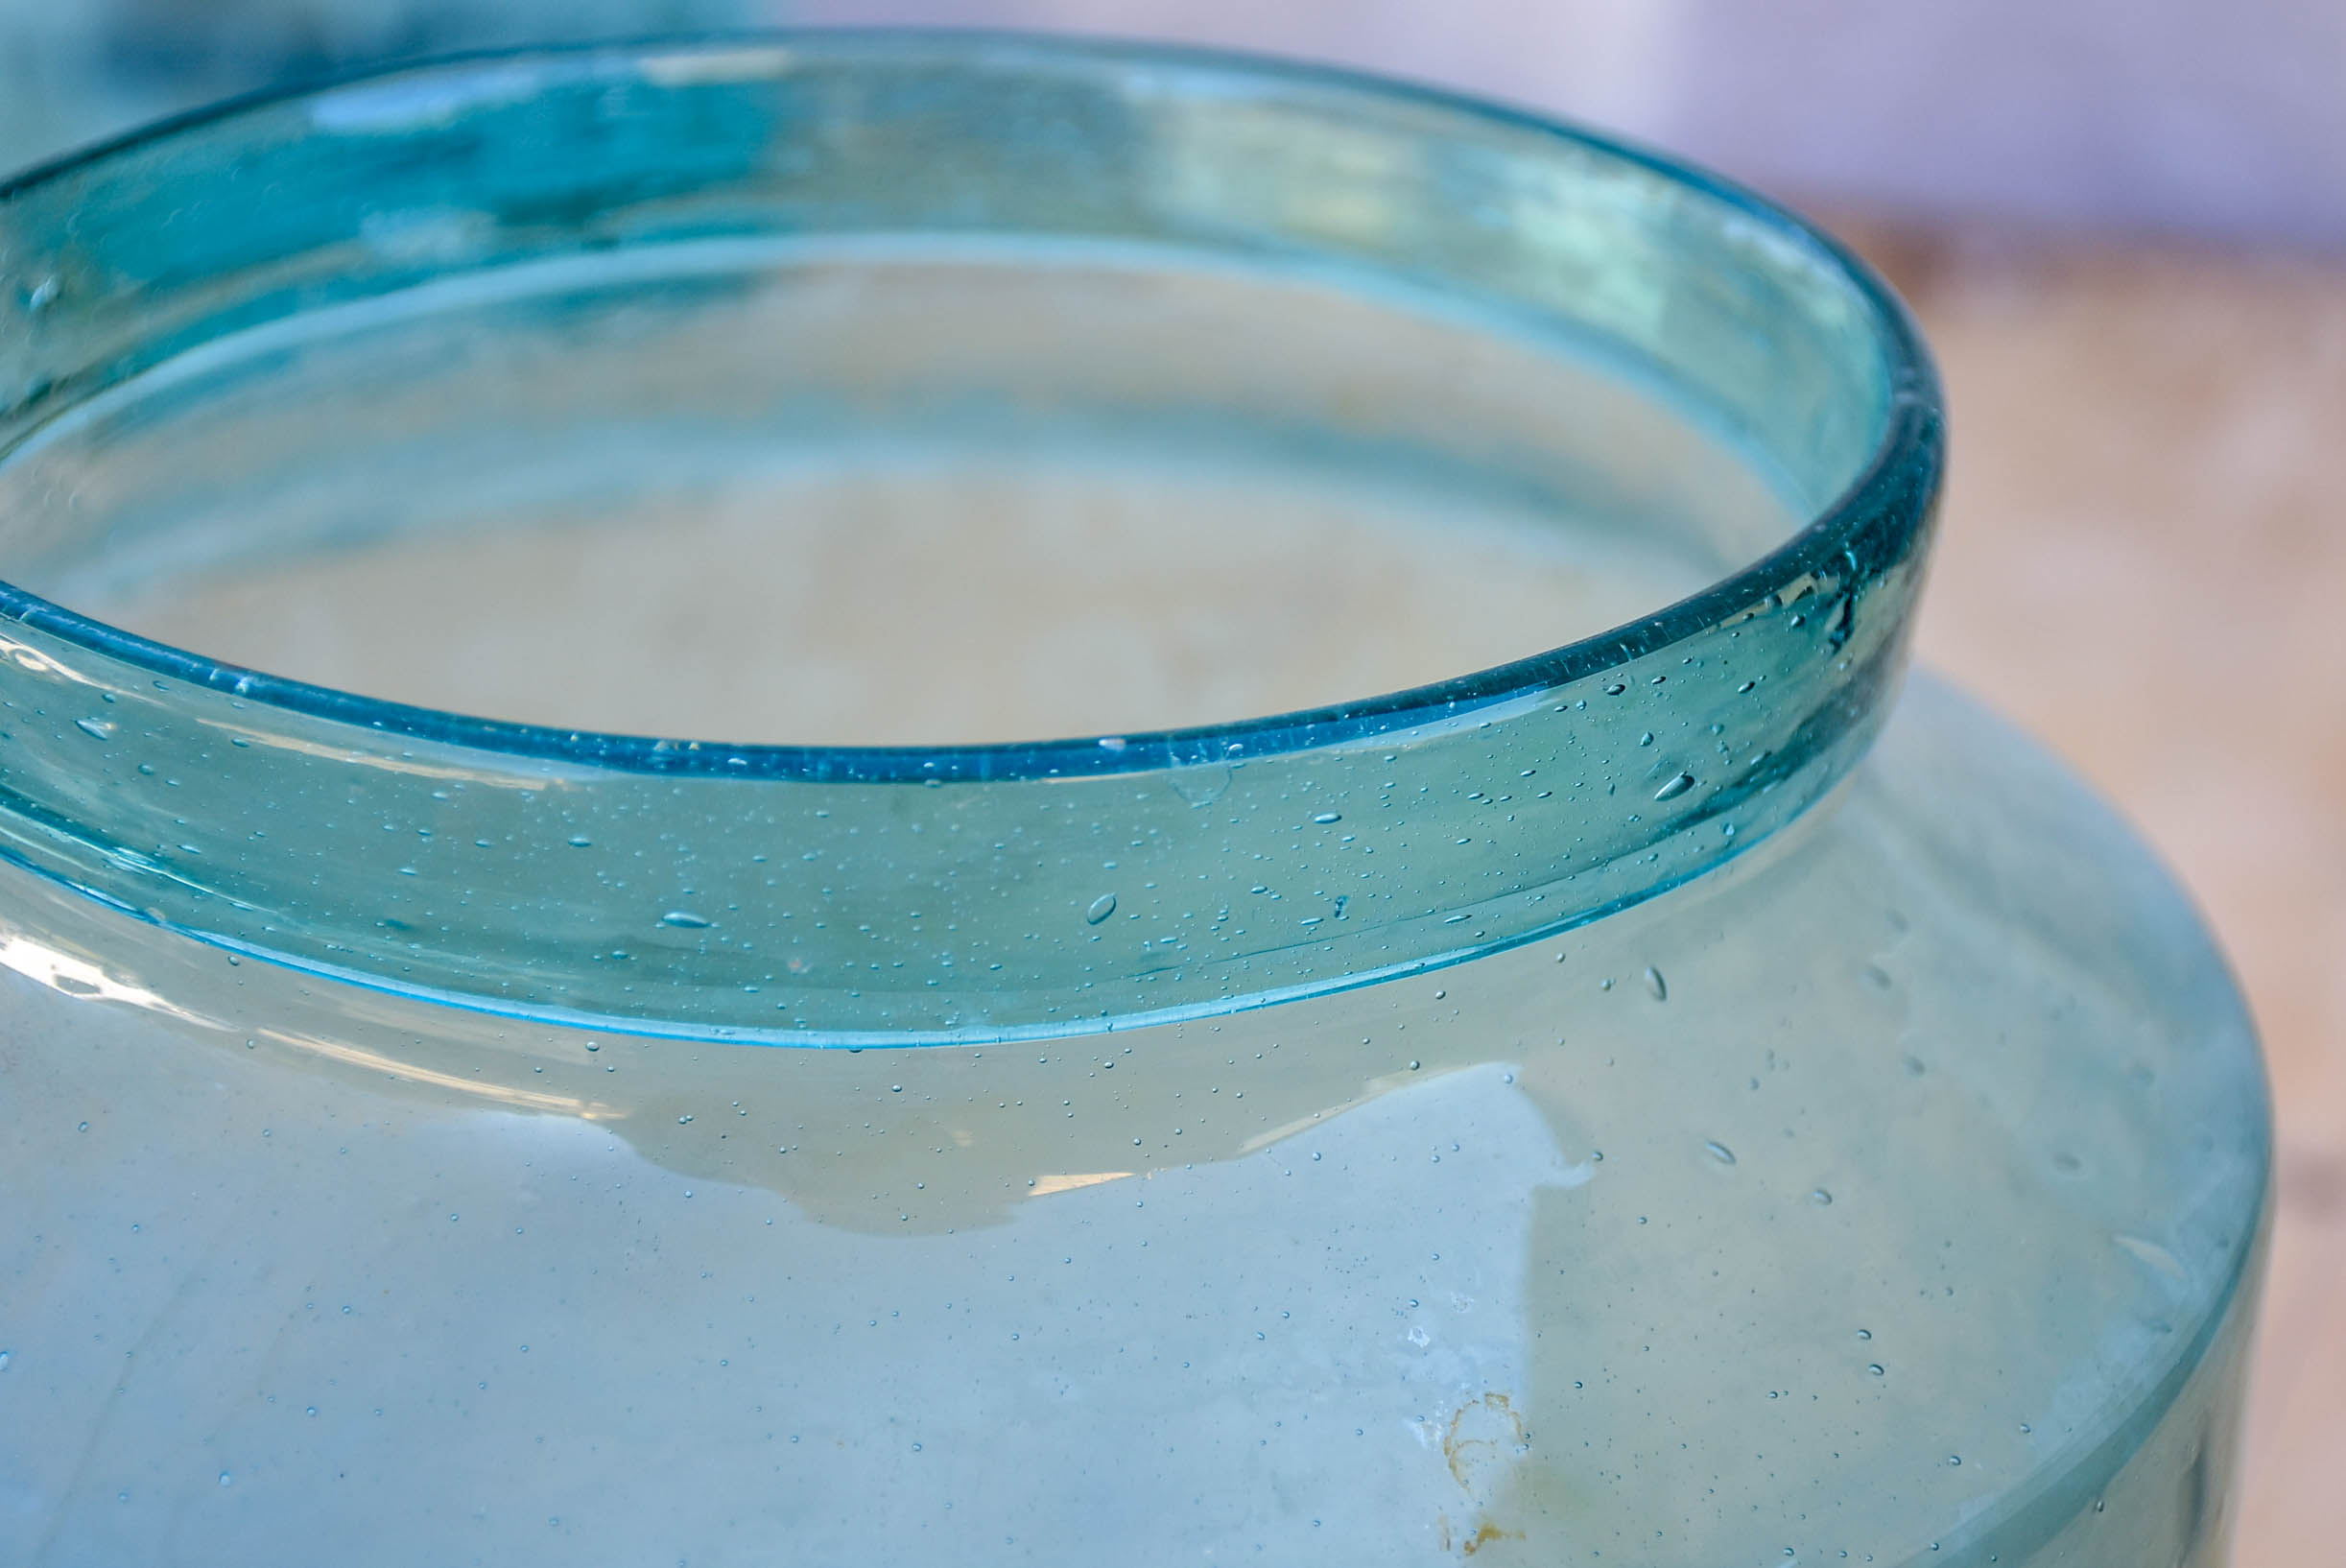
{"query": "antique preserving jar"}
[(1652, 1090)]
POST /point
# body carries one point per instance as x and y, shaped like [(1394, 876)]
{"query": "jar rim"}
[(528, 871), (1893, 489)]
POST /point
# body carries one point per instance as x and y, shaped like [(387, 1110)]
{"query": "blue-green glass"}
[(1667, 1099)]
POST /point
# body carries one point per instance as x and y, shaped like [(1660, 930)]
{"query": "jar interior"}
[(889, 393), (892, 493)]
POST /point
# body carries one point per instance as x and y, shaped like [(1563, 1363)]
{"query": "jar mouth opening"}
[(1901, 464), (801, 894)]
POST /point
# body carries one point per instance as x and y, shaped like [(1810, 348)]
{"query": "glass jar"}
[(1674, 1096)]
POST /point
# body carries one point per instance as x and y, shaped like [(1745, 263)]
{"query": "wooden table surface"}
[(2144, 559)]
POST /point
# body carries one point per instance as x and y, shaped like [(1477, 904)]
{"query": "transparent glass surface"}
[(701, 861)]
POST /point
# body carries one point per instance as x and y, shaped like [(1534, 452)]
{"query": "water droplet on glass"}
[(579, 841), (683, 917), (225, 1477), (1822, 1198), (1675, 787), (1655, 984), (1101, 908), (100, 729), (1874, 1367), (1720, 1153), (1327, 816)]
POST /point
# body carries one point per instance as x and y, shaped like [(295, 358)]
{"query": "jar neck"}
[(861, 896)]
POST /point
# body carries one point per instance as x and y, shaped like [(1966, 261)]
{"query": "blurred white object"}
[(76, 71)]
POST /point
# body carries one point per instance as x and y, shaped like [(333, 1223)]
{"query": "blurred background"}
[(2123, 227)]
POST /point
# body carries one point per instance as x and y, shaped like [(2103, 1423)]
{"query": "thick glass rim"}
[(797, 895), (1890, 498)]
